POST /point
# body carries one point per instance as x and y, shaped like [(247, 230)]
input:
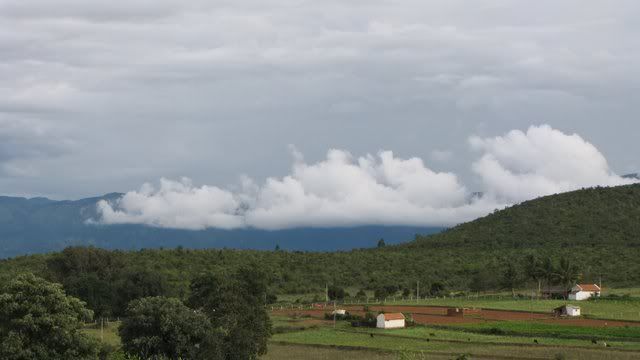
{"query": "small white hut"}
[(390, 321), (567, 310)]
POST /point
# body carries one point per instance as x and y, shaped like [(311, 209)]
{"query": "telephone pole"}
[(326, 293), (417, 290)]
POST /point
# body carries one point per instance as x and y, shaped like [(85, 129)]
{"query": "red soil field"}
[(437, 315)]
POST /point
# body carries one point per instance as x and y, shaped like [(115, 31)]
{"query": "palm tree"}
[(548, 272), (533, 270), (567, 274)]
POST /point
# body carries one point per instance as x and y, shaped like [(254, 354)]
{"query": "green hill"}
[(597, 230), (584, 218)]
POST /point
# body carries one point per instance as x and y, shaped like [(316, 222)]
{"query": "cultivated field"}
[(490, 334), (495, 334)]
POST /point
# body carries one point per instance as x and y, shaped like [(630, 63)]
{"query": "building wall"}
[(389, 324), (573, 312), (580, 295)]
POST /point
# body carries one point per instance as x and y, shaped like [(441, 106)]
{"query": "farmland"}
[(490, 334)]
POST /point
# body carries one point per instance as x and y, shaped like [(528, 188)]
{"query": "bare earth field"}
[(433, 315)]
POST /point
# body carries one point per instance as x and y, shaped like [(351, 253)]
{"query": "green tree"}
[(236, 305), (159, 327), (510, 277), (381, 243), (548, 272), (39, 321), (534, 270), (336, 292), (567, 274)]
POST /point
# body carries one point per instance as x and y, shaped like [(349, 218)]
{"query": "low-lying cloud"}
[(344, 190)]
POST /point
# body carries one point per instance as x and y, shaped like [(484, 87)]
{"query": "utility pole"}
[(101, 329), (417, 290), (326, 293), (334, 313)]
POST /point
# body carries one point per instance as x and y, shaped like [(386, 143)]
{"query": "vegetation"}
[(39, 321), (235, 306), (158, 327), (588, 228)]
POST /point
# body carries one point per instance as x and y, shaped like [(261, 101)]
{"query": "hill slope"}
[(589, 217), (596, 229)]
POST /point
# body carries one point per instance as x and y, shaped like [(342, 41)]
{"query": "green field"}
[(446, 346)]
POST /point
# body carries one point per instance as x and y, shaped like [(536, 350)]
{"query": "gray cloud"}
[(159, 88)]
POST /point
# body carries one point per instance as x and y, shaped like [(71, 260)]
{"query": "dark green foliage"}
[(39, 321), (437, 289), (336, 292), (381, 243), (510, 277), (159, 327), (101, 279), (236, 304)]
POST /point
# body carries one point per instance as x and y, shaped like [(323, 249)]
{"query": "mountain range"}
[(40, 225)]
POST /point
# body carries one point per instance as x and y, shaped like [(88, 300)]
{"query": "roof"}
[(393, 316), (588, 287)]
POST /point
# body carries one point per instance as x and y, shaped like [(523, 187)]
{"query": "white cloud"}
[(541, 161), (342, 190)]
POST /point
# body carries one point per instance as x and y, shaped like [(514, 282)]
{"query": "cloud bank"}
[(343, 190)]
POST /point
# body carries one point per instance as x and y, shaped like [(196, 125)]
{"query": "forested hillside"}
[(585, 218), (595, 231)]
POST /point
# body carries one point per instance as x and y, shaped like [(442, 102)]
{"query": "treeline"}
[(224, 318)]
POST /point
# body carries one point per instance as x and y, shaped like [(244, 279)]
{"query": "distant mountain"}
[(40, 225)]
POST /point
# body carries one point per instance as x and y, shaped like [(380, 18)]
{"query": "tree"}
[(336, 293), (436, 289), (533, 269), (136, 284), (235, 304), (39, 321), (381, 243), (567, 274), (548, 272), (510, 278), (159, 327)]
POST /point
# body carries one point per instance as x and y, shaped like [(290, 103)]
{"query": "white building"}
[(390, 321), (584, 291), (567, 310), (339, 312)]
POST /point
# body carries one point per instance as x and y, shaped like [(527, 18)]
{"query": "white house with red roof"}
[(584, 291), (390, 321)]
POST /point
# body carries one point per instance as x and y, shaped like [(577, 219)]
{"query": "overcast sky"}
[(103, 96)]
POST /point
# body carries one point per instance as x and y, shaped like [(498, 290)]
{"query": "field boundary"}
[(497, 343)]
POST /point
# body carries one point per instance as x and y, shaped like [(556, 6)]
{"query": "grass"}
[(624, 309), (362, 340), (531, 328), (477, 335)]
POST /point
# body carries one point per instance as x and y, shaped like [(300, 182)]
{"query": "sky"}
[(292, 113)]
